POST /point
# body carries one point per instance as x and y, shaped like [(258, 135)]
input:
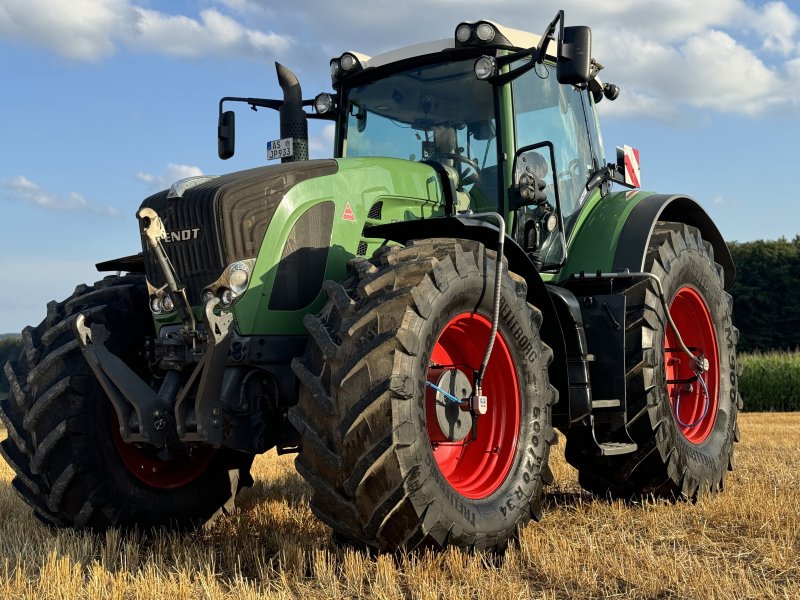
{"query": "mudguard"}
[(615, 234)]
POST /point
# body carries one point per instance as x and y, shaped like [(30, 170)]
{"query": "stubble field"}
[(744, 543)]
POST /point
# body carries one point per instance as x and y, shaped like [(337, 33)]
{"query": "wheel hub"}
[(454, 422)]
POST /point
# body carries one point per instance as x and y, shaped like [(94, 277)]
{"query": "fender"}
[(518, 262), (630, 217), (635, 234), (130, 264)]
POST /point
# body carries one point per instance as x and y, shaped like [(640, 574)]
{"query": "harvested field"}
[(744, 543)]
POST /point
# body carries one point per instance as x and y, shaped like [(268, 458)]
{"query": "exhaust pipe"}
[(292, 117)]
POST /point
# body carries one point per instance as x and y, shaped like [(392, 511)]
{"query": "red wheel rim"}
[(693, 320), (157, 473), (476, 468)]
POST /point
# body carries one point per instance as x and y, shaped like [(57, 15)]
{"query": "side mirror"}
[(574, 55), (529, 191), (226, 134), (531, 168)]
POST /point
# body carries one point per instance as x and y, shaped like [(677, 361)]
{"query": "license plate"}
[(280, 148)]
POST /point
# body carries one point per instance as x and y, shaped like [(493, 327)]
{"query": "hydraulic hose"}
[(498, 282)]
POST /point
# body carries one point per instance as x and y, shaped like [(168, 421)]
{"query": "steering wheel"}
[(573, 171), (471, 172)]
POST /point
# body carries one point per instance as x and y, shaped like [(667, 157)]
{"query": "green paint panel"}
[(406, 190), (593, 241)]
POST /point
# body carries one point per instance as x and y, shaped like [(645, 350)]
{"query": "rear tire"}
[(384, 472), (689, 454), (70, 466)]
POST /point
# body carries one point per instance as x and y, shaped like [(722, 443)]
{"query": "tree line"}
[(766, 294)]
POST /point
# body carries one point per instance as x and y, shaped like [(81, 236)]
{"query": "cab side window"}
[(546, 111)]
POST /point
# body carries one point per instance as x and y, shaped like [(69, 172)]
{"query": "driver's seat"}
[(483, 193)]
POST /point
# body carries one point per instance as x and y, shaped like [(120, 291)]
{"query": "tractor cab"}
[(513, 125)]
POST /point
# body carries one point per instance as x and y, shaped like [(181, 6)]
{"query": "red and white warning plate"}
[(631, 172)]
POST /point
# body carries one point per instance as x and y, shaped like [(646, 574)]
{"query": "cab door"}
[(553, 141)]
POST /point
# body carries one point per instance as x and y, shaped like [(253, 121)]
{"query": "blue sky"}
[(107, 101)]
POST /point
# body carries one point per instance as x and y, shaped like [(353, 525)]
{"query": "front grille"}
[(223, 220), (198, 260)]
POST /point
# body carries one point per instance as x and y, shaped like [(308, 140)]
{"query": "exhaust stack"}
[(292, 117)]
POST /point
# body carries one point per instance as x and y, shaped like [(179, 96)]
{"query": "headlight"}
[(167, 303), (485, 67), (463, 33), (238, 277), (232, 283), (323, 104), (349, 62), (346, 65), (155, 305), (550, 222), (485, 32)]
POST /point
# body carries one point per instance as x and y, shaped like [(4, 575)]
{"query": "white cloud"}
[(92, 30), (22, 189), (320, 144), (708, 70), (79, 29), (246, 7), (727, 76), (718, 200), (779, 27), (214, 34), (640, 104), (171, 174)]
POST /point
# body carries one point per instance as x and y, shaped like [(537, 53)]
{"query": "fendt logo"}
[(183, 235)]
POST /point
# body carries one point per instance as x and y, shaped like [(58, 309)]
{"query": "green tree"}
[(766, 294)]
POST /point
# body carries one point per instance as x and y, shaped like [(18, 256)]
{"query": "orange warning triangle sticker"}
[(348, 214)]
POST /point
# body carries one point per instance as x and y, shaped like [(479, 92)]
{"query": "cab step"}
[(612, 403), (616, 448)]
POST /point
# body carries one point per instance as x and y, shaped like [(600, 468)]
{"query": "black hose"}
[(498, 283)]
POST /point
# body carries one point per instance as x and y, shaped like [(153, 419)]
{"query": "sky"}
[(107, 101)]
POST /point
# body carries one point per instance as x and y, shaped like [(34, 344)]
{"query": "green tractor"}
[(415, 316)]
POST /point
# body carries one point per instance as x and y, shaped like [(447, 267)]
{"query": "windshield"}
[(436, 112)]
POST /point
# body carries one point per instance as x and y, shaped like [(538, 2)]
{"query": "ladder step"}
[(617, 448), (613, 403)]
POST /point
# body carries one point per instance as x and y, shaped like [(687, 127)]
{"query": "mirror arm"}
[(600, 176), (273, 104), (331, 116), (549, 34), (253, 102), (611, 172), (537, 53)]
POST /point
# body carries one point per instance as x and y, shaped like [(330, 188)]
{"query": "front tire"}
[(392, 464), (685, 438), (71, 465)]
